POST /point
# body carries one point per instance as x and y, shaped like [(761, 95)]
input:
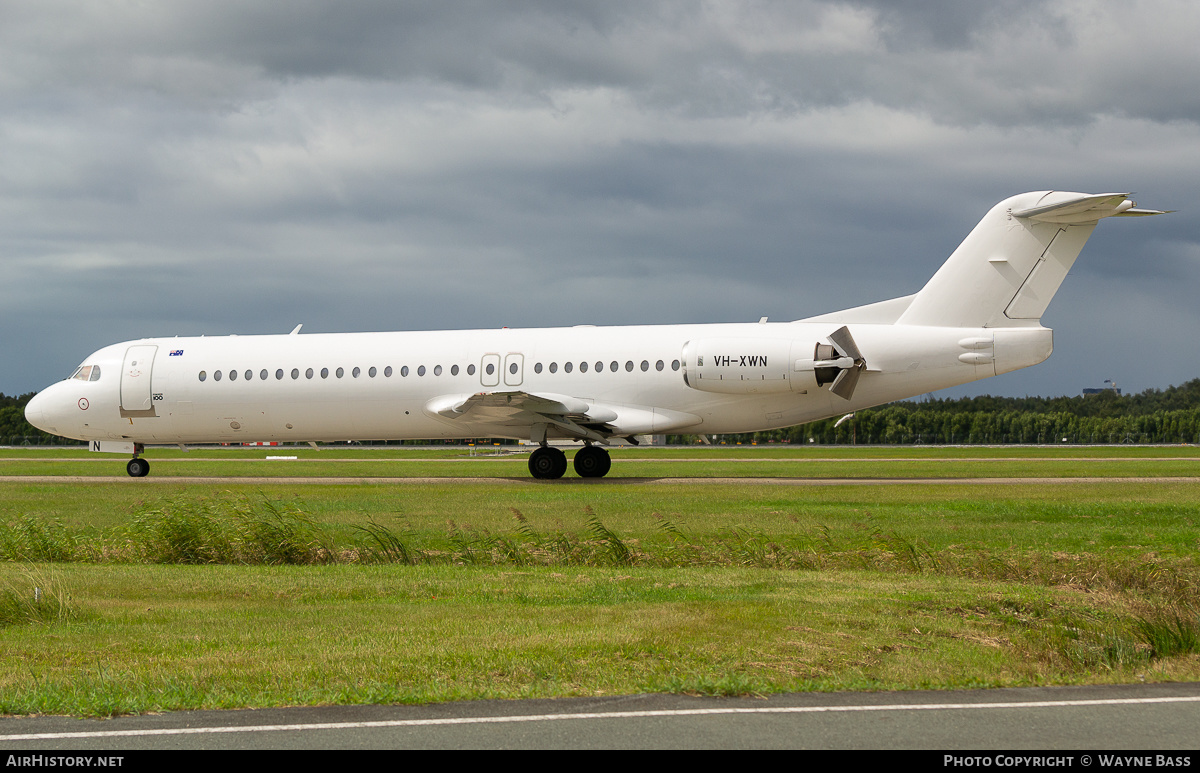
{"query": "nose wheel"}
[(138, 467)]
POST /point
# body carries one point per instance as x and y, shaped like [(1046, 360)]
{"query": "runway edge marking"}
[(597, 715)]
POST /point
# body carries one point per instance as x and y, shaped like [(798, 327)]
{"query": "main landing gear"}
[(549, 463), (592, 462)]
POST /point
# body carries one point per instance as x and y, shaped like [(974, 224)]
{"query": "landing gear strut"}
[(547, 463), (592, 462), (137, 467)]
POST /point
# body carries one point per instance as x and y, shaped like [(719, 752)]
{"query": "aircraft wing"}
[(541, 414)]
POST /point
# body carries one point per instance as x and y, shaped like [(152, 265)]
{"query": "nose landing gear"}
[(137, 467)]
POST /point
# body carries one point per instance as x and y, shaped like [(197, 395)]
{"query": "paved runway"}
[(1143, 717)]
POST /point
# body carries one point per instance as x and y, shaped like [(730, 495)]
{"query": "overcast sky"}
[(229, 166)]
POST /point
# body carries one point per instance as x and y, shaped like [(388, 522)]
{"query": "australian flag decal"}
[(176, 353)]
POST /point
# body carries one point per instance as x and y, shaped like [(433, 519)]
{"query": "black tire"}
[(138, 468), (592, 462), (547, 463)]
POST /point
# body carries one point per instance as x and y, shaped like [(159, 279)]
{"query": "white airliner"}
[(978, 316)]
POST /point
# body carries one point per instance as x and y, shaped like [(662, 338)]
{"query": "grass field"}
[(131, 596)]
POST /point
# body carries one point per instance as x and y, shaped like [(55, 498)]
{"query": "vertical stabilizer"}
[(1009, 267)]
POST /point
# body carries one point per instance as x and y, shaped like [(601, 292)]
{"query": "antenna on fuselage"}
[(296, 330)]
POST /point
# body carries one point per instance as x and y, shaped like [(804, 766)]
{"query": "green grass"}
[(153, 638), (630, 462), (202, 594)]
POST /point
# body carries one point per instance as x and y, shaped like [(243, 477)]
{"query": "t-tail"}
[(983, 307), (1007, 270)]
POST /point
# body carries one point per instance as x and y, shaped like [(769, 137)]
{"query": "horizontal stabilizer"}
[(1009, 267), (1086, 209)]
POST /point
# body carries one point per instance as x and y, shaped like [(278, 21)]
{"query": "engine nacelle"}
[(738, 365)]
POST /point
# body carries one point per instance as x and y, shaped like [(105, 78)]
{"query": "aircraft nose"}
[(35, 413)]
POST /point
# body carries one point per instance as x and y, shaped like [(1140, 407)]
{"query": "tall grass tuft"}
[(281, 533), (183, 531), (233, 530), (616, 548), (33, 597), (386, 546), (1108, 648), (1170, 632), (31, 539)]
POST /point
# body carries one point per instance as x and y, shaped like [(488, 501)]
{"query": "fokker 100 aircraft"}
[(978, 316)]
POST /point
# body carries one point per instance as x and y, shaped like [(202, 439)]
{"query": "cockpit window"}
[(87, 373)]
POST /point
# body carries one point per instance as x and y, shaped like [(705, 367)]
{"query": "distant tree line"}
[(1169, 415)]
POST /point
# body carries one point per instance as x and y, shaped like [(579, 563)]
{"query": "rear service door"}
[(137, 398)]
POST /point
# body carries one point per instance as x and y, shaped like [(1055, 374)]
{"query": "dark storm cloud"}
[(215, 167)]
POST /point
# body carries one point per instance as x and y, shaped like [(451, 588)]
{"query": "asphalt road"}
[(1151, 717)]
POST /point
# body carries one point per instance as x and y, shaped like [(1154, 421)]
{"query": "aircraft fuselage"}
[(379, 386)]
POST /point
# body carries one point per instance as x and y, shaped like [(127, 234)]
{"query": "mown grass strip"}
[(780, 461), (147, 638)]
